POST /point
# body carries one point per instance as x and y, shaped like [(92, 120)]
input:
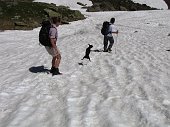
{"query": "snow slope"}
[(126, 88)]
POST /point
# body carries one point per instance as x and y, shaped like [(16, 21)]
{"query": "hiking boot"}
[(105, 50), (56, 72), (52, 69), (109, 50)]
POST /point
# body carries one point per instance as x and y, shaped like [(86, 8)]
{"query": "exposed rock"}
[(20, 23), (168, 3), (52, 13), (64, 22), (79, 3), (117, 5), (95, 7)]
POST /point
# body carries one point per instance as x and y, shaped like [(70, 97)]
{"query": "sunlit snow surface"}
[(129, 87)]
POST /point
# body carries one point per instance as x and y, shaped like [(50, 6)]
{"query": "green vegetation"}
[(117, 5), (26, 15)]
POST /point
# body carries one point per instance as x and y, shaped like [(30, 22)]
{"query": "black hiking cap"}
[(112, 20)]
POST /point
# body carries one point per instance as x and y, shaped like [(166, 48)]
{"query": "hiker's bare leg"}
[(54, 61), (57, 61)]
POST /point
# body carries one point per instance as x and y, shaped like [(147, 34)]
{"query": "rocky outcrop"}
[(117, 5), (29, 15), (168, 3)]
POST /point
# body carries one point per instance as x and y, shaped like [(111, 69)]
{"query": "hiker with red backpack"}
[(108, 30), (48, 37)]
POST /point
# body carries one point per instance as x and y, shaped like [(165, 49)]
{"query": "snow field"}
[(129, 88)]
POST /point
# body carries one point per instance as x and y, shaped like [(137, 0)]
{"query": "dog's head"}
[(90, 46)]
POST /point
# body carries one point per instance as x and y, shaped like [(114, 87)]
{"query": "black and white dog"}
[(87, 53)]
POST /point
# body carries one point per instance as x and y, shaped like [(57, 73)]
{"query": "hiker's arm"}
[(52, 35), (115, 32)]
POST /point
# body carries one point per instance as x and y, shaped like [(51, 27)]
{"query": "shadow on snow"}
[(39, 69)]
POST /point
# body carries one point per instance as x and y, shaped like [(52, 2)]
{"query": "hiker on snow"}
[(53, 50), (108, 30), (48, 36)]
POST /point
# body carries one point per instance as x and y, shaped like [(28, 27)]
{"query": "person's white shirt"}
[(112, 29)]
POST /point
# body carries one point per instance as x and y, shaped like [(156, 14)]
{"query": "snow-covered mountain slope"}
[(160, 4), (126, 88)]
